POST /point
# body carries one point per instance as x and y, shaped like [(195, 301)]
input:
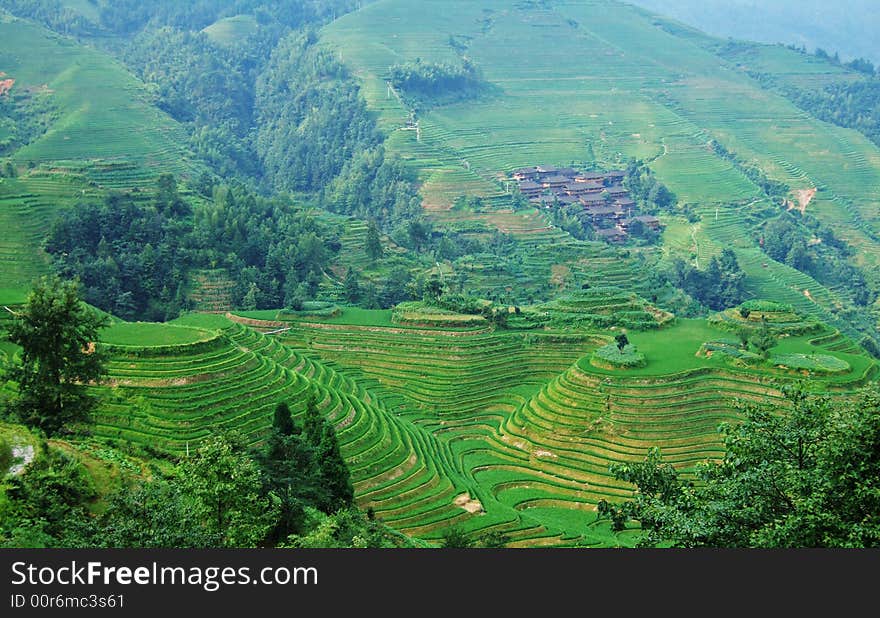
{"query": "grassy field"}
[(142, 334)]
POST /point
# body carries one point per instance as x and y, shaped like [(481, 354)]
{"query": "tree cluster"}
[(225, 495), (719, 286), (807, 245), (133, 255)]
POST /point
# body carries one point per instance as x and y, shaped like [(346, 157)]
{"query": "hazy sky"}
[(851, 27)]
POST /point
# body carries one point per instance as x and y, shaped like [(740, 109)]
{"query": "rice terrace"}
[(430, 273)]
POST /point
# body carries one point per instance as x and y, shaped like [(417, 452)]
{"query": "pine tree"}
[(335, 477), (283, 421), (57, 333), (373, 245)]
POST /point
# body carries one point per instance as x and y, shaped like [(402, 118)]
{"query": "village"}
[(605, 204)]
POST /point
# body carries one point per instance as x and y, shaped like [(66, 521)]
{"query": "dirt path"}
[(804, 197)]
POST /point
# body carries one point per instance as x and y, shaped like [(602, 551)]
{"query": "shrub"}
[(611, 354), (814, 363)]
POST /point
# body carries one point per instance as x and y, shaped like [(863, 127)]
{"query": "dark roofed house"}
[(545, 171), (525, 173), (592, 187), (617, 191), (543, 201), (649, 221), (605, 212), (530, 189), (567, 171), (591, 177), (611, 235), (556, 182), (593, 199), (625, 202), (567, 200), (575, 188), (614, 177)]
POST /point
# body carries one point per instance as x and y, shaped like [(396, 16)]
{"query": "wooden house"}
[(545, 171), (614, 235), (649, 221), (614, 177), (556, 182), (593, 199), (530, 189), (525, 173)]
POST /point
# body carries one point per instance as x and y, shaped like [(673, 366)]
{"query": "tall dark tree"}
[(373, 244), (335, 477), (57, 333), (283, 421), (352, 286)]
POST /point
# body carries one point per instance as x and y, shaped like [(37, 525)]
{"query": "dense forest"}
[(133, 256)]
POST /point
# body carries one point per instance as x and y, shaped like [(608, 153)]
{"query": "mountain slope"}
[(101, 132), (598, 80)]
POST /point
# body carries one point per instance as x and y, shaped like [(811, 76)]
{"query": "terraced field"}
[(27, 205), (518, 427)]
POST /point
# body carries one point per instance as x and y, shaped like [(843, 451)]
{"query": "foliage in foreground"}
[(57, 333), (807, 475), (295, 490)]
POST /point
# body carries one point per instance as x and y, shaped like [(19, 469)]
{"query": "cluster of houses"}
[(603, 202)]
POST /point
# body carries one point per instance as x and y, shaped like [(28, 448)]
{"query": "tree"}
[(335, 477), (225, 484), (151, 514), (290, 472), (456, 538), (282, 421), (763, 339), (433, 289), (744, 335), (46, 501), (494, 540), (57, 334), (352, 286), (373, 244), (622, 341), (802, 474)]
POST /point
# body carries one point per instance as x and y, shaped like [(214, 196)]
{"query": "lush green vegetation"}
[(394, 328), (801, 474), (57, 334)]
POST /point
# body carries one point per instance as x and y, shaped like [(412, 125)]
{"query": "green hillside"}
[(483, 359), (597, 80), (102, 133)]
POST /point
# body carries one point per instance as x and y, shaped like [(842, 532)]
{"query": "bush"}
[(628, 358), (814, 363), (767, 306)]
